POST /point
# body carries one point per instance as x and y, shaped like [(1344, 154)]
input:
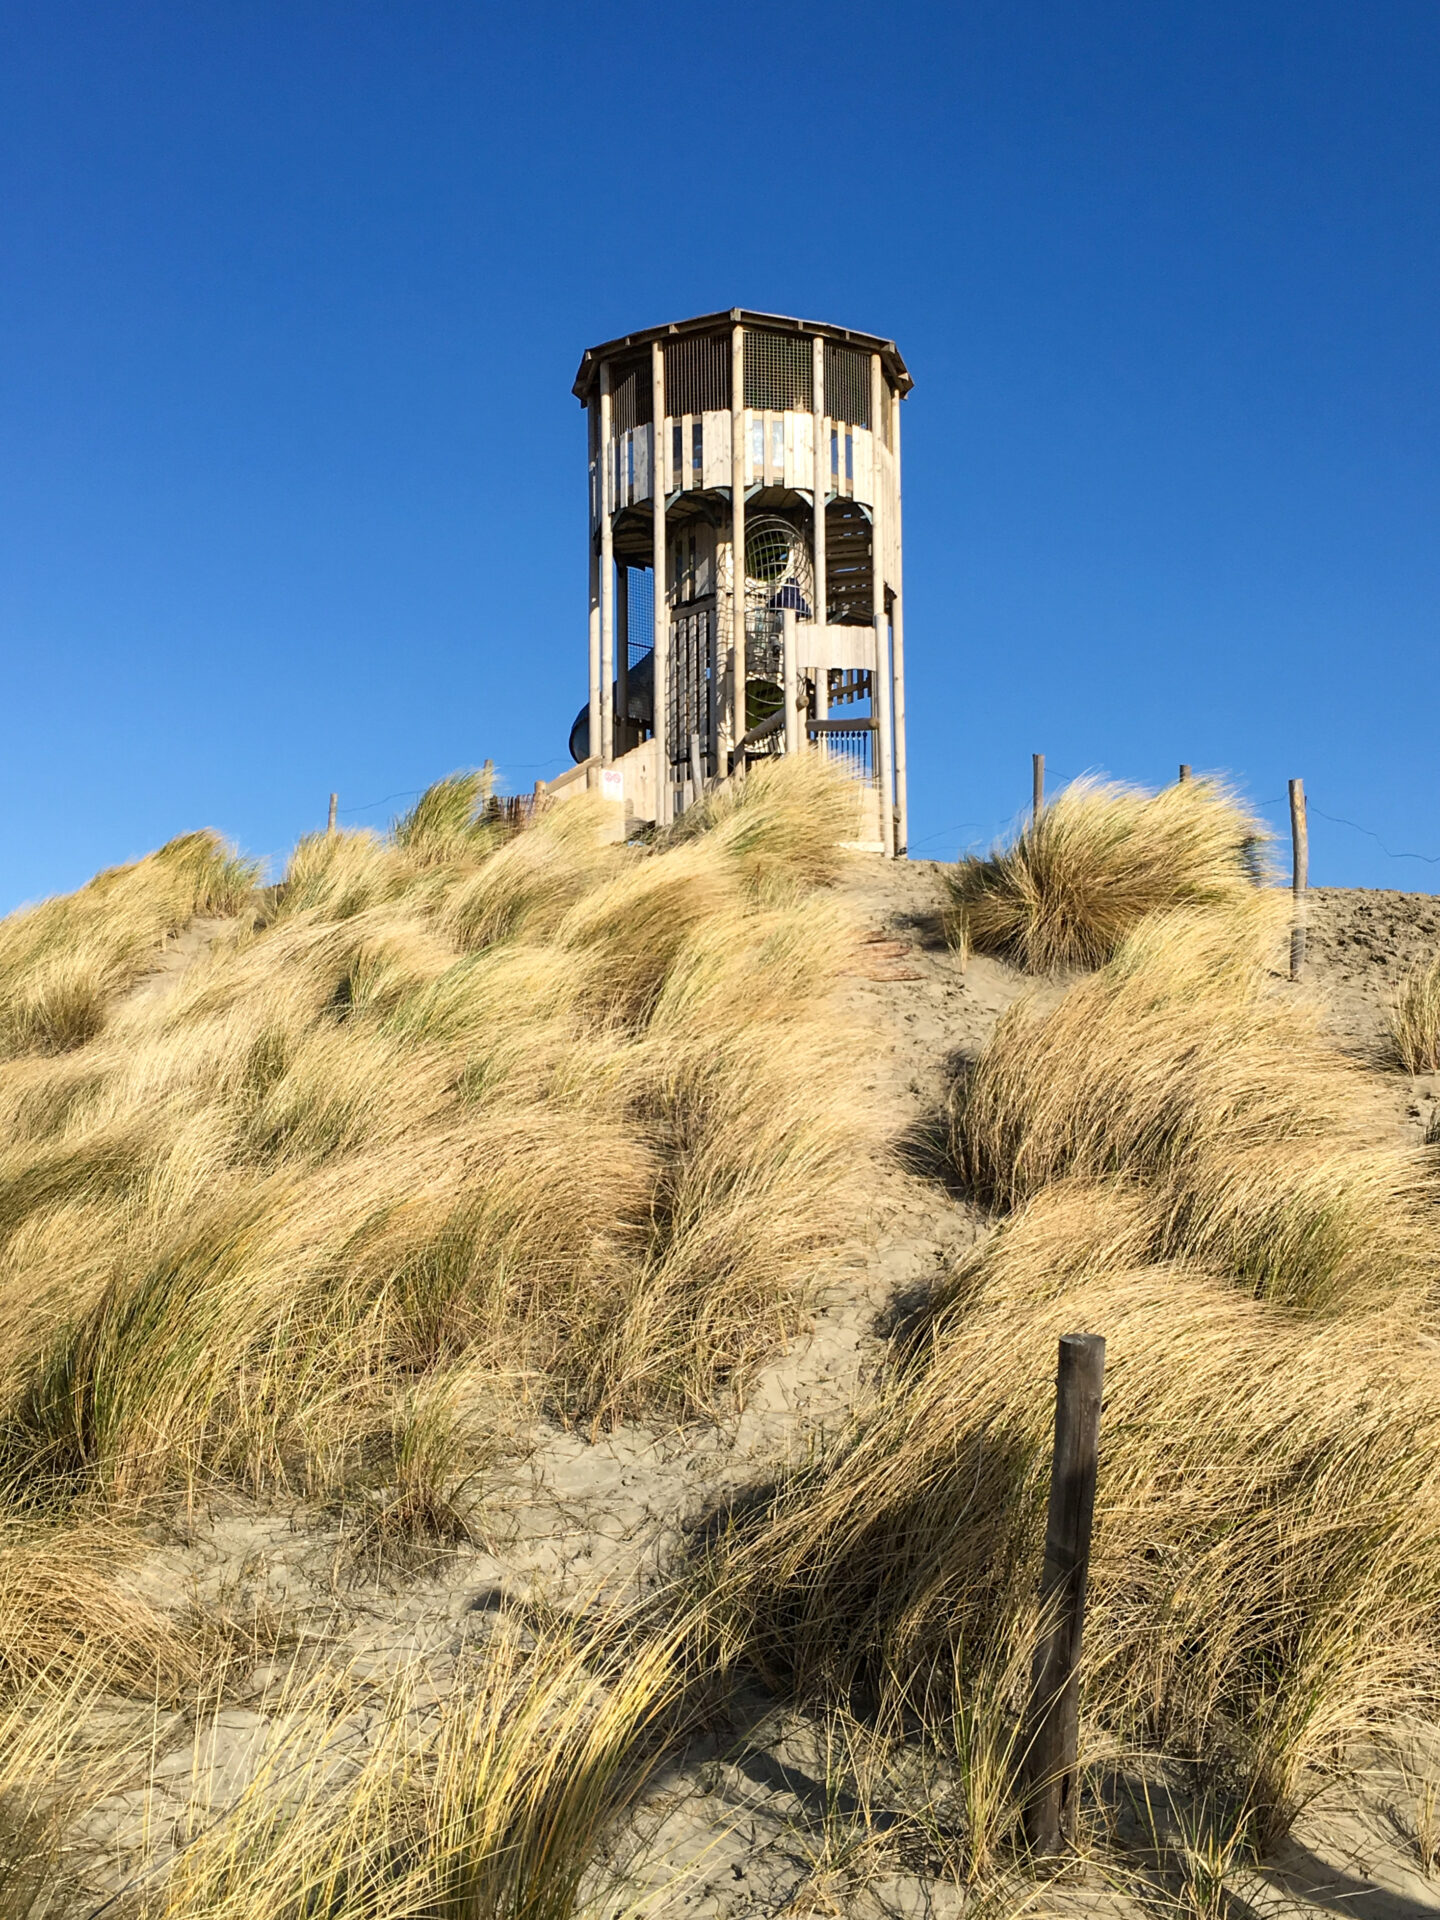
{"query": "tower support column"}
[(737, 534), (607, 574), (622, 657), (897, 624), (660, 640), (790, 679), (596, 515), (821, 480), (880, 704)]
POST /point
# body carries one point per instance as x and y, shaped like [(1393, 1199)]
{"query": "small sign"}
[(612, 783)]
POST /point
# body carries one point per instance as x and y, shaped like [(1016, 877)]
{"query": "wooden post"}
[(790, 678), (1184, 772), (597, 512), (622, 654), (661, 665), (605, 745), (883, 686), (1299, 877), (737, 532), (1037, 786), (897, 630), (334, 804), (697, 769), (1052, 1731), (820, 476)]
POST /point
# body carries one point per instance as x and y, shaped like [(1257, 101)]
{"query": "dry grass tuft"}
[(1413, 1022), (783, 822), (493, 1801), (1101, 856), (1175, 1066), (566, 1111), (63, 962), (1267, 1530), (64, 1617), (466, 1123)]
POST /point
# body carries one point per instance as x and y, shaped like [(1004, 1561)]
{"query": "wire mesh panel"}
[(847, 384), (641, 628), (632, 404), (697, 375), (779, 371)]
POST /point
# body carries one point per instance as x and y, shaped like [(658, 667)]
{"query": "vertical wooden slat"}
[(882, 682), (790, 683), (897, 632), (737, 531), (661, 597), (597, 515), (1299, 878), (606, 743), (821, 481)]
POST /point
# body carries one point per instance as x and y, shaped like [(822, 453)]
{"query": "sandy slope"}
[(732, 1830)]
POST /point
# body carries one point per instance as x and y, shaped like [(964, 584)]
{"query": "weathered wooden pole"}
[(661, 665), (1184, 772), (334, 803), (883, 685), (605, 745), (897, 640), (1052, 1732), (1299, 877), (790, 679), (1037, 781), (820, 474), (738, 722)]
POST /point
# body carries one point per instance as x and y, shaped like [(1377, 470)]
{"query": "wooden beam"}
[(897, 630), (606, 741), (737, 534), (662, 665), (883, 684)]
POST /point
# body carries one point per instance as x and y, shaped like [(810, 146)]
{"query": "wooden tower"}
[(744, 481)]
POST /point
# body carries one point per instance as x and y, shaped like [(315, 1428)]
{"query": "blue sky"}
[(292, 483)]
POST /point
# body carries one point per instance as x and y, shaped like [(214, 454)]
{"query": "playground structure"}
[(745, 562)]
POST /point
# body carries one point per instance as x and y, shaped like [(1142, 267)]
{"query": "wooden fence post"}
[(1299, 877), (1037, 778), (1052, 1731), (1184, 771), (330, 825)]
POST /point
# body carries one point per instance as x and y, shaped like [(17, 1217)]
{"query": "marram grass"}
[(557, 1109), (1268, 1516), (1175, 1065), (1100, 857), (1413, 1020)]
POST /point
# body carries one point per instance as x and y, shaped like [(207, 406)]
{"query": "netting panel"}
[(697, 375), (632, 402), (641, 626), (847, 384), (779, 372)]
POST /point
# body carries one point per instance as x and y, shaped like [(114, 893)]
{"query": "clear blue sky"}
[(292, 483)]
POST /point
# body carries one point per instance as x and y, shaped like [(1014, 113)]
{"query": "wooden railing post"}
[(1052, 1732), (334, 802), (1299, 877), (1184, 772), (1037, 783)]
